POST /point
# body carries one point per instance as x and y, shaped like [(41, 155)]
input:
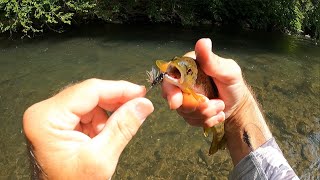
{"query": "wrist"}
[(245, 128)]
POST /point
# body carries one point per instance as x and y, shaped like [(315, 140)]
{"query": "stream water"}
[(283, 71)]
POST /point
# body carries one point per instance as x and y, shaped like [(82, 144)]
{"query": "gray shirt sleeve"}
[(266, 162)]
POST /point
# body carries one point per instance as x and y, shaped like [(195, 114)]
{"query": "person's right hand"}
[(72, 137), (227, 76)]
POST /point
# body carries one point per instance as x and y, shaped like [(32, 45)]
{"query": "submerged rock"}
[(307, 152), (303, 128)]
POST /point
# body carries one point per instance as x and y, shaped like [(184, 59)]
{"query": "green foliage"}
[(189, 12), (311, 23), (259, 14), (32, 16)]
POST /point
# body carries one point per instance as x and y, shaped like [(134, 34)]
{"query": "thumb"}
[(224, 70), (123, 124)]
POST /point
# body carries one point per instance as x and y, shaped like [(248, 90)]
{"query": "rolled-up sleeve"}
[(266, 162)]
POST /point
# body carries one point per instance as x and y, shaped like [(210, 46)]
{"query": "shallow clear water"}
[(284, 71)]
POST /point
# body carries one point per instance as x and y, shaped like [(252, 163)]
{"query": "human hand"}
[(73, 138), (227, 76), (236, 103)]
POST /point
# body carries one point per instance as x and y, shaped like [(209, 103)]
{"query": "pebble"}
[(306, 152), (303, 128), (158, 155), (204, 158)]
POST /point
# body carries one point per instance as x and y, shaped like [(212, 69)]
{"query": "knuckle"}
[(210, 122), (235, 66), (124, 86), (32, 110), (125, 83), (221, 117), (122, 81), (93, 81), (209, 113), (30, 119), (28, 113)]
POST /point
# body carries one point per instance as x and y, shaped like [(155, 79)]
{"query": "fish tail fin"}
[(214, 144), (218, 139)]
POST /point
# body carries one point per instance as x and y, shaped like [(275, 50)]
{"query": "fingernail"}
[(143, 89), (221, 116), (208, 43), (220, 104)]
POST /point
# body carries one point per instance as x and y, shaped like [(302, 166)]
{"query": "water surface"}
[(283, 71)]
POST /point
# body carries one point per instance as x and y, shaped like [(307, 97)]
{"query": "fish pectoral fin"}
[(191, 100), (200, 98), (162, 65)]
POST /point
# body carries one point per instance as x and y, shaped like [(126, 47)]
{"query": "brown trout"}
[(185, 73)]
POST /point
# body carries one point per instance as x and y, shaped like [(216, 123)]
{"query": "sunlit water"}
[(284, 72)]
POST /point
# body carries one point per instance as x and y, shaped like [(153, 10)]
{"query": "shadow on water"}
[(282, 70)]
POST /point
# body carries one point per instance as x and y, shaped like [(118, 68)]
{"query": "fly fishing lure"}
[(154, 77)]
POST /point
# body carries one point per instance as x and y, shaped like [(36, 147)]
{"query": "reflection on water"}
[(283, 71)]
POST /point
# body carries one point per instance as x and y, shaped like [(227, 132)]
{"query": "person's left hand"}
[(73, 138)]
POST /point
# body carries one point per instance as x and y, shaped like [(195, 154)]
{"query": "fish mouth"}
[(174, 75)]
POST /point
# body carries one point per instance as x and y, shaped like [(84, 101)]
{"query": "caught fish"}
[(185, 73)]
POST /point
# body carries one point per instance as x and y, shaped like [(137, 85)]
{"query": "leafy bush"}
[(32, 16), (311, 23)]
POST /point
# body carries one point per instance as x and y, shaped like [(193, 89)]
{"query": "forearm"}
[(246, 129)]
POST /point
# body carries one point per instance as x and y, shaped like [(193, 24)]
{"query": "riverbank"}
[(31, 18)]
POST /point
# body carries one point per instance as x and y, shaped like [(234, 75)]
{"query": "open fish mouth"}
[(174, 75)]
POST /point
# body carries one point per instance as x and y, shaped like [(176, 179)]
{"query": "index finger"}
[(173, 94), (83, 97)]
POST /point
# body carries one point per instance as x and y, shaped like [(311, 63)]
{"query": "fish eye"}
[(189, 71)]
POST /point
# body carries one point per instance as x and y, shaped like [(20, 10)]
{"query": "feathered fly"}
[(154, 77)]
